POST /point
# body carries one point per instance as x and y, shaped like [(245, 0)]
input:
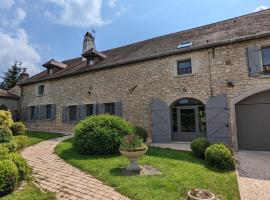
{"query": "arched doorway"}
[(252, 122), (188, 119)]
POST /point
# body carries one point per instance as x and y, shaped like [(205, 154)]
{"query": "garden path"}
[(53, 174)]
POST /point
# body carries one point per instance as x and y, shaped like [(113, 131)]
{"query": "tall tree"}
[(11, 77)]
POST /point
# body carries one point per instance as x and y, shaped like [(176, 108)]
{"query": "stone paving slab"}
[(53, 174), (253, 170)]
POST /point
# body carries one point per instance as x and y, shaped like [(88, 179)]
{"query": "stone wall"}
[(154, 78)]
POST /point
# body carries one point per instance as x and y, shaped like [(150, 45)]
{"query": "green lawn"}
[(35, 137), (180, 172), (30, 191)]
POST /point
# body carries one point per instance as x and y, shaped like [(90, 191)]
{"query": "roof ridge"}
[(191, 29)]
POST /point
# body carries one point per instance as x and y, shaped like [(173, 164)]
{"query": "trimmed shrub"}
[(198, 146), (220, 156), (5, 134), (18, 128), (6, 118), (21, 164), (8, 177), (21, 141), (141, 132), (12, 145), (100, 134), (3, 151)]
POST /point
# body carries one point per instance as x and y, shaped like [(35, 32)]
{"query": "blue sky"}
[(34, 31)]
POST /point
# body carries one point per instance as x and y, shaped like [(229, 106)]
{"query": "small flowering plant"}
[(132, 142)]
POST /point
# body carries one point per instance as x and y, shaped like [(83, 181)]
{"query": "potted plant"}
[(199, 194), (133, 148)]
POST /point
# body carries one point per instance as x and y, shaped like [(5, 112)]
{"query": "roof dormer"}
[(54, 66), (93, 56)]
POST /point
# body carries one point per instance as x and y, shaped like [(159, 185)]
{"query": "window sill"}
[(185, 75), (262, 76), (40, 95)]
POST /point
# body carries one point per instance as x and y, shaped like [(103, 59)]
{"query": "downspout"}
[(212, 52)]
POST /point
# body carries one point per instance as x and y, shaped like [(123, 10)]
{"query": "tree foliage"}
[(10, 78)]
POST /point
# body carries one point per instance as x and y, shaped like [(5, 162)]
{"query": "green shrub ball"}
[(100, 134), (5, 134), (220, 157), (198, 147), (18, 128), (21, 164), (8, 177)]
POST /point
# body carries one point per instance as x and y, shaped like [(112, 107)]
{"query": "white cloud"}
[(18, 48), (20, 15), (260, 8), (6, 4), (80, 13), (15, 44), (85, 13), (112, 3)]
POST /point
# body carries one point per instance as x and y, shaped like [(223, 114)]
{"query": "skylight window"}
[(184, 44)]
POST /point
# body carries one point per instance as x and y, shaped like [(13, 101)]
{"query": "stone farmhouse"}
[(211, 81)]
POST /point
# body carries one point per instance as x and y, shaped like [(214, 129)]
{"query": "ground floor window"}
[(48, 109), (72, 113), (110, 108), (89, 109), (188, 119), (32, 112)]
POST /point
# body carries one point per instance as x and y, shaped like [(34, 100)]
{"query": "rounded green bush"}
[(12, 145), (18, 128), (220, 156), (21, 141), (3, 151), (5, 134), (21, 164), (100, 134), (140, 131), (8, 176), (198, 146)]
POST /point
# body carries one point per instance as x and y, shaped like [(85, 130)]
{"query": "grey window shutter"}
[(217, 119), (26, 113), (101, 108), (65, 114), (81, 112), (118, 108), (53, 117), (95, 109), (254, 60), (161, 121), (36, 112), (41, 114)]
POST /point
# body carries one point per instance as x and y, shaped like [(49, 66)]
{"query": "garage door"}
[(253, 122)]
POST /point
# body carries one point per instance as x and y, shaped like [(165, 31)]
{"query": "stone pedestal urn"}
[(133, 156)]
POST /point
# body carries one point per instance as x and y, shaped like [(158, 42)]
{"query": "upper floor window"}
[(48, 109), (72, 113), (90, 61), (110, 108), (41, 89), (184, 67), (89, 109), (266, 60)]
